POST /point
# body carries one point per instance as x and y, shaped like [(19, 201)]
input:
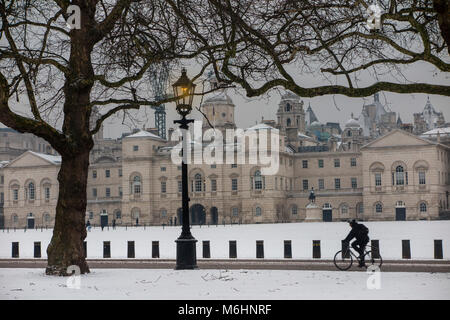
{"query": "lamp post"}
[(184, 89)]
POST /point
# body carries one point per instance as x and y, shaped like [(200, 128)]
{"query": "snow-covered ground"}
[(222, 284), (390, 234)]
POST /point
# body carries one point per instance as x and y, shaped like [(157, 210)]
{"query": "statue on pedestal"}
[(312, 196)]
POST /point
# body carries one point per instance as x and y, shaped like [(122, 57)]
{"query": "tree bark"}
[(66, 247), (442, 8)]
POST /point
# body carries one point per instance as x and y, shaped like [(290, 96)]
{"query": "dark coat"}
[(359, 231)]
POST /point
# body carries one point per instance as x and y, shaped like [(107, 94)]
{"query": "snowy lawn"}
[(390, 234), (222, 284)]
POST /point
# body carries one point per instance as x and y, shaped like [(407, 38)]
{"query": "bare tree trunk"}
[(66, 247), (442, 8)]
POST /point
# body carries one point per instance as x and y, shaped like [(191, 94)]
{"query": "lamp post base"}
[(186, 254)]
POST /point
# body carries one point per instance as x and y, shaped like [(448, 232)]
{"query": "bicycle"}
[(344, 260)]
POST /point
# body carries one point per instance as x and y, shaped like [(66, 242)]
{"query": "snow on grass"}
[(390, 234), (221, 284)]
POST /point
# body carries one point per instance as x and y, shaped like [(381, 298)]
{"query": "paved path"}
[(269, 264)]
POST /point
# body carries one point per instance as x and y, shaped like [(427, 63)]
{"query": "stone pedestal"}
[(313, 213)]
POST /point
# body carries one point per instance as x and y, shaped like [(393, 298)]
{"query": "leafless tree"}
[(65, 73)]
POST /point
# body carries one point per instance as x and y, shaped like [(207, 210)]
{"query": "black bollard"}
[(316, 249), (106, 249), (206, 249), (155, 249), (233, 249), (375, 248), (438, 249), (287, 249), (130, 249), (37, 250), (344, 246), (259, 249), (15, 250), (406, 249)]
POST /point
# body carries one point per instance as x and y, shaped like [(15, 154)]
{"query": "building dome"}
[(352, 123)]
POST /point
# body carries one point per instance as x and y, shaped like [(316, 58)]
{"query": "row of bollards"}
[(316, 251)]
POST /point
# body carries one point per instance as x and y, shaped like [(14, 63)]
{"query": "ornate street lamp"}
[(183, 90)]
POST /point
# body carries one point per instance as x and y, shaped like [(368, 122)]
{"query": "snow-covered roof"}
[(290, 96), (48, 157), (219, 97), (3, 163), (304, 136), (352, 123), (315, 124), (261, 126), (434, 132), (144, 134)]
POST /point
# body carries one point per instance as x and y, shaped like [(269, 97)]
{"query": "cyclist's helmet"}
[(351, 222)]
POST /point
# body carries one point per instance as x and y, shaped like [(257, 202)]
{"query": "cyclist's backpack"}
[(364, 230)]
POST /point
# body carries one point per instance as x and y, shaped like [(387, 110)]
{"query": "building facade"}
[(396, 176)]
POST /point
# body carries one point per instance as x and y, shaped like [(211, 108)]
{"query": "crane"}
[(158, 77)]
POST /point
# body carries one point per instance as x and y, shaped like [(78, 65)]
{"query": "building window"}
[(234, 184), (360, 208), (337, 183), (377, 179), (198, 182), (423, 207), (305, 185), (258, 180), (294, 210), (15, 194), (15, 218), (107, 173), (2, 197), (399, 176), (421, 177), (163, 168), (31, 191), (135, 148), (378, 208), (163, 213), (235, 212), (337, 163), (320, 163), (321, 184), (108, 192), (353, 162), (354, 183), (136, 185), (180, 187), (118, 214), (94, 174), (163, 186), (2, 179), (47, 193), (305, 164), (258, 211), (91, 215), (234, 165), (213, 185), (344, 209), (120, 172), (120, 192), (46, 217), (213, 166), (94, 192)]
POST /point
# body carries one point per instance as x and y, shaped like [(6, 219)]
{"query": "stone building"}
[(396, 176), (428, 119)]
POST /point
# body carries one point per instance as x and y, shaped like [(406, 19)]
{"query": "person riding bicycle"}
[(361, 233)]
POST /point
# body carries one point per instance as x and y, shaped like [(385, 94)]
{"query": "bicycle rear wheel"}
[(373, 260), (341, 262)]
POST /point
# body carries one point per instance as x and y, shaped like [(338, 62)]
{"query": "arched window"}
[(399, 176), (344, 209), (136, 185), (423, 207), (378, 208), (118, 214), (288, 122), (46, 217), (15, 218), (360, 208), (258, 211), (31, 191), (349, 133), (288, 107), (294, 209), (198, 182), (163, 213)]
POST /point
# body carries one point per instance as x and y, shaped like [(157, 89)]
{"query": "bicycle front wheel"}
[(343, 262)]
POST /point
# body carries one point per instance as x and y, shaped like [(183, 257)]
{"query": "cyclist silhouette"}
[(361, 233)]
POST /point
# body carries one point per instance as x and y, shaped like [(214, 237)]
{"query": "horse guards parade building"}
[(375, 168)]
